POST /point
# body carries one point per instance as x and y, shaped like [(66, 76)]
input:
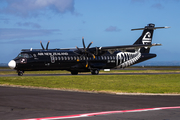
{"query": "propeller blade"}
[(86, 64), (83, 42), (91, 54), (78, 48), (85, 53), (47, 45), (89, 45), (42, 45), (86, 61)]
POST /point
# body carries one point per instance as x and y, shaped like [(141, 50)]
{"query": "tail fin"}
[(146, 37)]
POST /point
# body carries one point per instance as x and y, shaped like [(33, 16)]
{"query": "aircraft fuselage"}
[(68, 60)]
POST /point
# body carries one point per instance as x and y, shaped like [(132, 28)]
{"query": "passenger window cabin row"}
[(84, 58)]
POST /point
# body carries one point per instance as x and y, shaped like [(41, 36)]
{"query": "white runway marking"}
[(102, 113)]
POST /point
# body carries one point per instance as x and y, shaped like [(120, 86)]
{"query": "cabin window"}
[(59, 58), (81, 58), (74, 57), (84, 58), (110, 57), (105, 57), (65, 58), (62, 58), (68, 58), (101, 57), (55, 58)]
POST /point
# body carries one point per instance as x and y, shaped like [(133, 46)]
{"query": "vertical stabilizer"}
[(146, 37)]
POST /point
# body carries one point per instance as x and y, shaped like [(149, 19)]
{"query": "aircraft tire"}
[(20, 73), (95, 72)]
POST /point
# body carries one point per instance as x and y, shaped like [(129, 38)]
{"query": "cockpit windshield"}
[(24, 55)]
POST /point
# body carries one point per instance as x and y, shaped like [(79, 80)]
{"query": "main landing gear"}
[(95, 72), (20, 73)]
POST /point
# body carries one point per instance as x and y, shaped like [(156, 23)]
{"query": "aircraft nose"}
[(12, 64)]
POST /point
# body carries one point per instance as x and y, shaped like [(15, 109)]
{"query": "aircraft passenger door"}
[(52, 59)]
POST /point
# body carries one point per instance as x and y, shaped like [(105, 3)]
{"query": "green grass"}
[(169, 83)]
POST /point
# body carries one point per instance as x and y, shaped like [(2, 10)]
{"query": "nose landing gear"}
[(20, 73)]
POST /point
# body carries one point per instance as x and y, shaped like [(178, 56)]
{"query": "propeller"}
[(43, 46), (85, 51)]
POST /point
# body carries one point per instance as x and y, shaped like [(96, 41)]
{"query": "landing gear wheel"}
[(74, 72), (95, 72), (20, 73)]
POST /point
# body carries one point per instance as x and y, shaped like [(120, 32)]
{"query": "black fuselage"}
[(68, 60)]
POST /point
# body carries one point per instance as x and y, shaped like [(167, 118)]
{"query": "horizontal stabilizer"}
[(152, 28)]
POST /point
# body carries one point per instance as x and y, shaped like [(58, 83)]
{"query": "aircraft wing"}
[(112, 49)]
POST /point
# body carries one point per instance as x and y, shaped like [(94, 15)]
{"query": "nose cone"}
[(12, 64)]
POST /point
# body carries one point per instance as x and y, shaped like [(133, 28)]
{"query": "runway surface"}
[(24, 103)]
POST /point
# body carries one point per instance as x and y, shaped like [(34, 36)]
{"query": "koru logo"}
[(147, 38), (23, 60)]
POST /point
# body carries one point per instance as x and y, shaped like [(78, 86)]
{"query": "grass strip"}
[(169, 83)]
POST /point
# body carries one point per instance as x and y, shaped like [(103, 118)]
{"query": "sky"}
[(24, 23)]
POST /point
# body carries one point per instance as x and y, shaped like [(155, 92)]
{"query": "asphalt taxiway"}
[(25, 103)]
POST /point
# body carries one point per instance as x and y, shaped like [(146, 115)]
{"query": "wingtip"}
[(156, 44), (167, 27)]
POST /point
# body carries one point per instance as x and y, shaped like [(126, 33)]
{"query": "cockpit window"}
[(24, 55)]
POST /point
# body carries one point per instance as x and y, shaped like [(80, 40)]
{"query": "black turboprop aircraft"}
[(86, 59)]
